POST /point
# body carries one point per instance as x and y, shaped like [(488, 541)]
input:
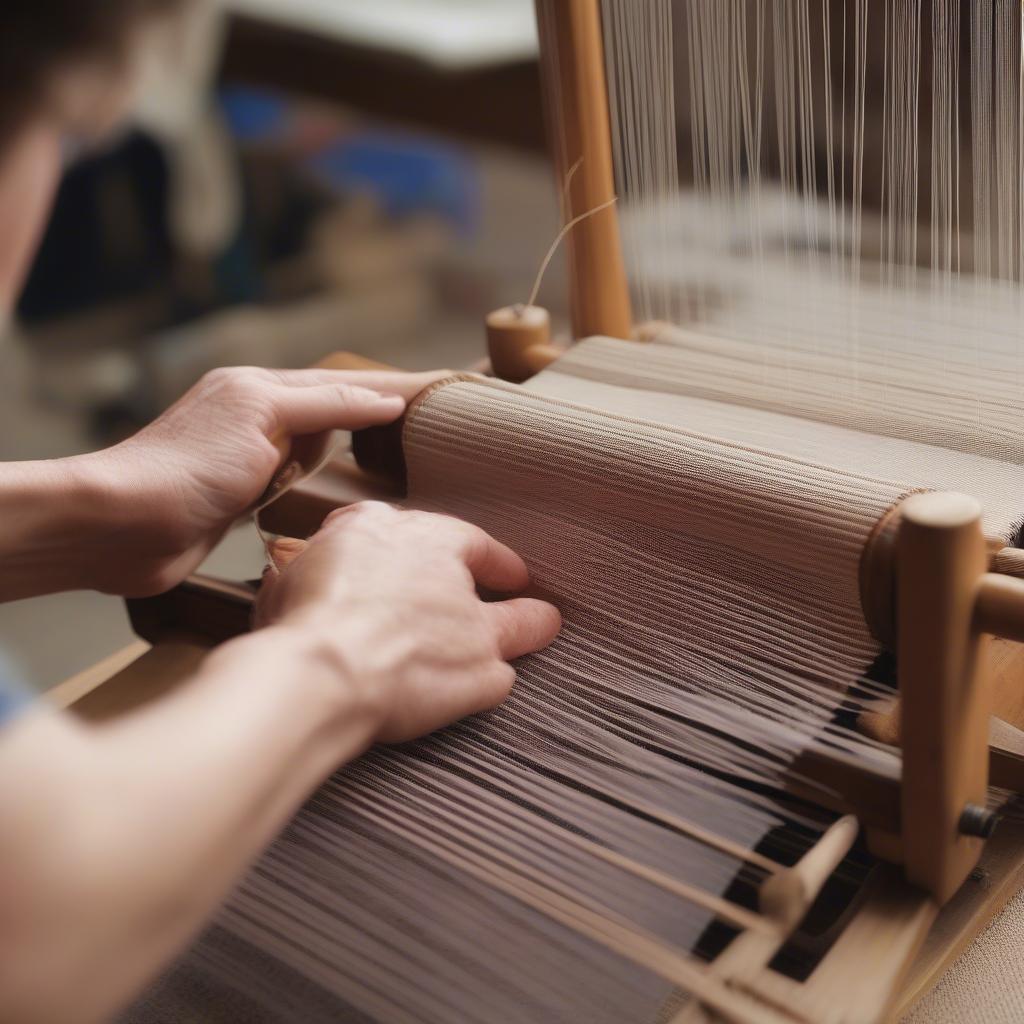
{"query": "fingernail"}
[(389, 399)]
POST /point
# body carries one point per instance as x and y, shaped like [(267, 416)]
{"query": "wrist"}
[(136, 540), (310, 671), (55, 514)]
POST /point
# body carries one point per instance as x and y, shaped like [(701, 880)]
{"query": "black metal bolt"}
[(978, 821)]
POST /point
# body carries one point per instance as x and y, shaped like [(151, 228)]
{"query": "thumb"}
[(312, 410)]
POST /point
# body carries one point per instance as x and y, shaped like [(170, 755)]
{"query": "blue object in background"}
[(405, 174), (253, 115)]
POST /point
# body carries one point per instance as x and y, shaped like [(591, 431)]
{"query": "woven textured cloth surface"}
[(986, 985)]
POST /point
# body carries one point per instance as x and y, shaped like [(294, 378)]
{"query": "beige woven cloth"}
[(986, 985)]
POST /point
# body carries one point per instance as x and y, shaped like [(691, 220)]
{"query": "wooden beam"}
[(573, 70), (944, 692)]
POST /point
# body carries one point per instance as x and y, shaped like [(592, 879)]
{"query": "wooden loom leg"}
[(944, 698), (574, 73)]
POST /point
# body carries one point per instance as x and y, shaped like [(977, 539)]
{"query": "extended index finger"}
[(391, 382), (524, 625)]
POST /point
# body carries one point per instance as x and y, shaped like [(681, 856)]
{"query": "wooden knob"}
[(519, 341)]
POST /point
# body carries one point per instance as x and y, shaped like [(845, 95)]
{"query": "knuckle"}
[(334, 518), (226, 375), (349, 396), (501, 680), (376, 508), (362, 512), (474, 544), (215, 377), (373, 511), (234, 382)]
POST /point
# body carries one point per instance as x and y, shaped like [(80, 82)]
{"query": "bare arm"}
[(117, 842)]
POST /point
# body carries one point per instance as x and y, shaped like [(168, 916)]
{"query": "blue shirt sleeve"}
[(14, 696)]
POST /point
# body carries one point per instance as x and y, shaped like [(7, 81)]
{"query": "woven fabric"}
[(914, 437), (986, 985)]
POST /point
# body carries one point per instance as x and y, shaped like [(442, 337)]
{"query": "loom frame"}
[(926, 573)]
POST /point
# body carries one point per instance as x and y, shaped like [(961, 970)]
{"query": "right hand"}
[(391, 598)]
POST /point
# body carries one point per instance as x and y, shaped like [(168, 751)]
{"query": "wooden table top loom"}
[(933, 589)]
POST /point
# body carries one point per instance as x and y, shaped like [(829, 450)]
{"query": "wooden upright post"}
[(945, 703), (573, 64)]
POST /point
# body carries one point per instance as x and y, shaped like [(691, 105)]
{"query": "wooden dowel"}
[(878, 573), (1000, 607), (944, 693), (573, 66), (787, 896)]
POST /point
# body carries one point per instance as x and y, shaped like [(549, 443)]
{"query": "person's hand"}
[(170, 492), (390, 599)]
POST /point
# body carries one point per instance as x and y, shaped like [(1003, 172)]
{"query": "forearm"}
[(54, 517), (128, 837)]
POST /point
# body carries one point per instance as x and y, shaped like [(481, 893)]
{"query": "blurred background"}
[(299, 177)]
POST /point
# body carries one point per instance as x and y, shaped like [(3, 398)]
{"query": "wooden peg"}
[(787, 895), (944, 694), (878, 573), (519, 342), (1000, 608)]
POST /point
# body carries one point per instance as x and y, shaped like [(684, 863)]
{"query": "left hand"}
[(171, 491)]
